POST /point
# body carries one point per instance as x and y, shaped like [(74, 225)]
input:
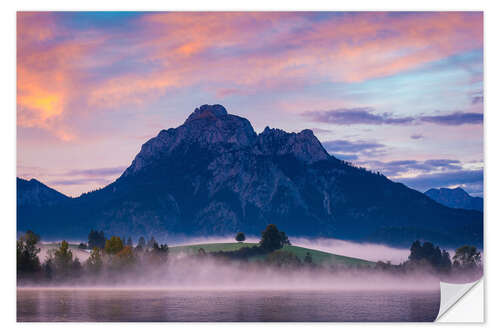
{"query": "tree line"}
[(115, 255), (427, 256), (112, 255)]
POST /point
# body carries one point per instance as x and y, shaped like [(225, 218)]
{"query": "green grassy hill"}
[(209, 247), (318, 257)]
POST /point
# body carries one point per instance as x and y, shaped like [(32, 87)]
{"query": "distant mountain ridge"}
[(455, 198), (34, 193), (213, 175)]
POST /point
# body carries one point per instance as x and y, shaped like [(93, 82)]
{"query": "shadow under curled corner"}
[(453, 295)]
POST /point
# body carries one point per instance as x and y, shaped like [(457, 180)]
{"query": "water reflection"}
[(170, 305)]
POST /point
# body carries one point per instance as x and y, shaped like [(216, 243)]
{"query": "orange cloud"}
[(47, 72)]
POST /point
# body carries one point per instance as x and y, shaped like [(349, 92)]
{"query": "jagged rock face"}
[(455, 198), (207, 111), (304, 145), (214, 176), (208, 127)]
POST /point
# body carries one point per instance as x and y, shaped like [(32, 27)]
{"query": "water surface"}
[(118, 305)]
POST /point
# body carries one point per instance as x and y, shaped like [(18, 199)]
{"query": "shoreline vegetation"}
[(273, 262)]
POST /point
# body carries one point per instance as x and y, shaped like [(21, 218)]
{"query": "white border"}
[(8, 140)]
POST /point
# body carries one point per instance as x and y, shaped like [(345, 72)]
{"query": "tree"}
[(201, 252), (63, 259), (308, 259), (158, 253), (141, 243), (48, 268), (445, 261), (124, 258), (240, 237), (273, 239), (27, 253), (96, 239), (467, 257), (113, 245), (283, 259), (76, 267), (82, 246), (94, 262), (284, 238), (151, 242), (415, 251), (428, 253)]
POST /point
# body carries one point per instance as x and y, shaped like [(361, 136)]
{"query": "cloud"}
[(366, 116), (351, 146), (363, 115), (399, 168), (79, 181), (477, 100), (65, 70), (416, 136), (344, 149), (346, 157), (48, 60), (464, 178), (454, 119), (97, 172), (321, 131), (426, 174), (444, 163)]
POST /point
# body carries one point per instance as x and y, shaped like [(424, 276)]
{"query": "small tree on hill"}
[(240, 237), (273, 239)]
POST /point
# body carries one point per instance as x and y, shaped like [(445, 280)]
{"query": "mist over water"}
[(187, 272), (194, 287)]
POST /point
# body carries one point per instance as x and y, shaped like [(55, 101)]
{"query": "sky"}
[(396, 92)]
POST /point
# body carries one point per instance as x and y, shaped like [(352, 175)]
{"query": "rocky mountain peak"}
[(207, 111), (303, 145), (209, 127), (212, 128)]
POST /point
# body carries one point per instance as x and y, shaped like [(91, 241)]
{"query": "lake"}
[(161, 305)]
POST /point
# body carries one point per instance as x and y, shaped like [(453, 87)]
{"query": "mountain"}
[(455, 198), (214, 176), (32, 193)]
